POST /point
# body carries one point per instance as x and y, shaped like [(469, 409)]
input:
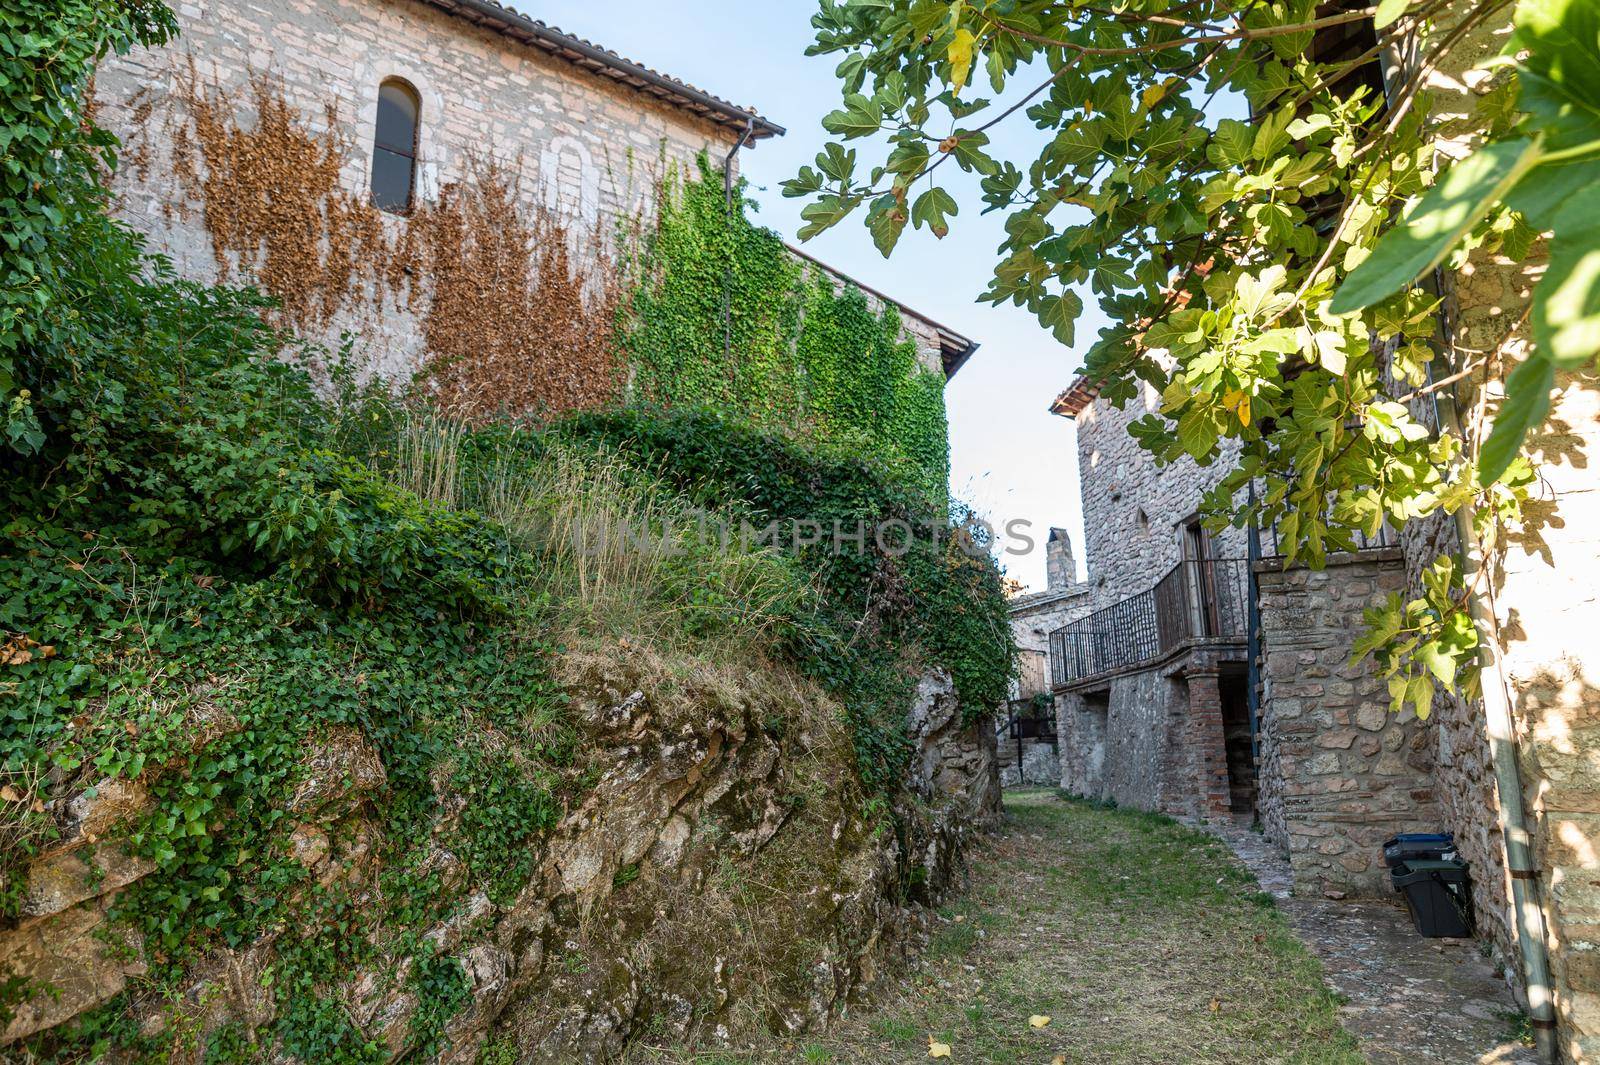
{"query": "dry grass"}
[(623, 549), (1144, 942)]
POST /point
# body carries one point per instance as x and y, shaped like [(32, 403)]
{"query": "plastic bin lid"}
[(1407, 873), (1421, 837)]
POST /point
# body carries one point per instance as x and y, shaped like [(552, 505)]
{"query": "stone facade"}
[(1028, 764), (1340, 773), (1036, 615), (1135, 513), (1151, 736), (1154, 737), (581, 144), (1545, 615)]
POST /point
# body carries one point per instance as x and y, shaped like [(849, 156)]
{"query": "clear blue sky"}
[(1009, 456)]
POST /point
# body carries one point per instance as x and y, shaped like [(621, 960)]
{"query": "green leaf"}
[(932, 208), (860, 117), (804, 183), (1560, 78), (1060, 313), (1546, 188), (1527, 402), (968, 148), (852, 70), (1419, 692), (1432, 656), (1566, 308), (825, 213), (1388, 11), (886, 220), (1230, 144), (837, 161), (1441, 218)]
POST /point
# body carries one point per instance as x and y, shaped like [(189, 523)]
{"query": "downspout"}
[(727, 270), (1498, 725), (1252, 642)]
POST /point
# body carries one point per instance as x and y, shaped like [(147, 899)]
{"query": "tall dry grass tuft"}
[(626, 549), (427, 457)]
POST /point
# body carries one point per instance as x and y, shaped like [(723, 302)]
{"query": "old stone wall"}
[(563, 138), (1036, 615), (1133, 510), (1339, 772), (1028, 764), (717, 879), (1108, 738), (247, 155), (1149, 739)]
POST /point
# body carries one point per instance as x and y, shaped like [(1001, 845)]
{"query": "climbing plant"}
[(724, 316), (1243, 263), (53, 156)]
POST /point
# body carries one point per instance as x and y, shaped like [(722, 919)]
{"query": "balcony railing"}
[(1208, 598)]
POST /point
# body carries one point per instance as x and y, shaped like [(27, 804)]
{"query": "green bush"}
[(884, 613)]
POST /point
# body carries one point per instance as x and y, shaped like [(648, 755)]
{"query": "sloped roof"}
[(608, 64), (954, 349), (1078, 395)]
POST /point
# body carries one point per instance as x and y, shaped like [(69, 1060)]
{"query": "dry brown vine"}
[(518, 309)]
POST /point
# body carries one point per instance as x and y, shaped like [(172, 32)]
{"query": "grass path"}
[(1143, 941)]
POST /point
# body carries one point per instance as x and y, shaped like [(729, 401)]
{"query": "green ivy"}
[(51, 158), (888, 613), (203, 573), (725, 317)]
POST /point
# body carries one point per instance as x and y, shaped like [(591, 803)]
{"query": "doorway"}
[(1238, 743)]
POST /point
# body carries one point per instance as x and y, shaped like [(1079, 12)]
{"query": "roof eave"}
[(1075, 397), (954, 349), (599, 61)]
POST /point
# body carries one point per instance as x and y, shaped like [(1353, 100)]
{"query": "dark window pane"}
[(391, 180), (397, 119)]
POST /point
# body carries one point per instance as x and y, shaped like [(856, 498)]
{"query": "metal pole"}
[(1501, 731), (1252, 640)]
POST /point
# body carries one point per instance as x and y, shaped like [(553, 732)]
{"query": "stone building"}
[(340, 154), (1027, 738), (1148, 667), (1263, 715)]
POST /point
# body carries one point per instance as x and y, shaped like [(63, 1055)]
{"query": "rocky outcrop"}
[(718, 875), (62, 949)]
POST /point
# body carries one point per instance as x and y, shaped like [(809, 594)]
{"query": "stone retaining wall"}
[(642, 881), (1339, 772)]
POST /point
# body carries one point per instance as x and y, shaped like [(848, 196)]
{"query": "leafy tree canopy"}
[(1273, 278)]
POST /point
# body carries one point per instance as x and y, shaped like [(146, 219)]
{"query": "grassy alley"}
[(1141, 940)]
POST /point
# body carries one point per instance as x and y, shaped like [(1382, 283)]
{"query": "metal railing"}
[(1206, 598), (1359, 541)]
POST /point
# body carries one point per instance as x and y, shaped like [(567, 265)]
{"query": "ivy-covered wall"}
[(723, 315), (497, 303)]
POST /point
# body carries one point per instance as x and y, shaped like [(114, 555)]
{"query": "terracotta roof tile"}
[(604, 62)]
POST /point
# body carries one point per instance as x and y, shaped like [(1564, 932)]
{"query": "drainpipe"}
[(1252, 642), (727, 277), (1498, 725)]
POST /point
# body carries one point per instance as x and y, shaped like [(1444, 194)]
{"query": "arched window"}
[(394, 146)]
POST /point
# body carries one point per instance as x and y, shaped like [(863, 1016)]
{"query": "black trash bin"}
[(1438, 894), (1429, 846)]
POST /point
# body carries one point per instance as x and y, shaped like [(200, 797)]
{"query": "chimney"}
[(1059, 567)]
